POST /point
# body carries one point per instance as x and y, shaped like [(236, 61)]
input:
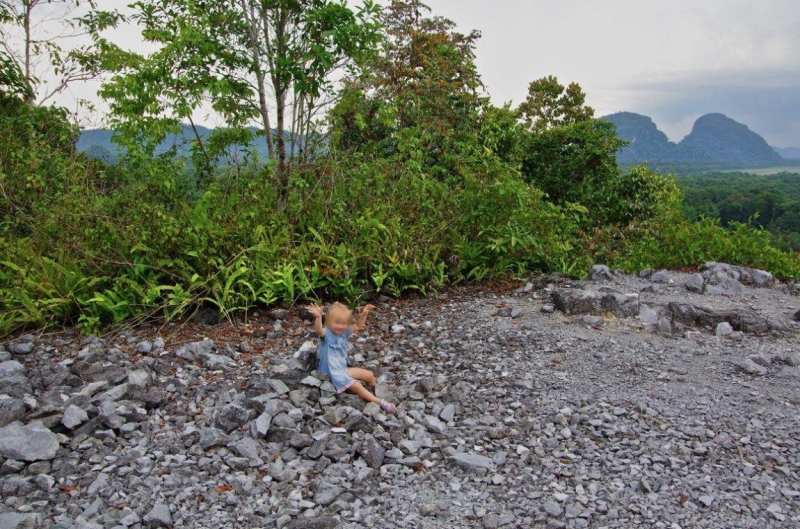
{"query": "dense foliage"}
[(422, 182), (771, 202)]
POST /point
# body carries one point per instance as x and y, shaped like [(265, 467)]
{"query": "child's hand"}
[(315, 310), (369, 308)]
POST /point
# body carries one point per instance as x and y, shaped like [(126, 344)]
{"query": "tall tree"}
[(265, 62), (422, 92), (549, 104), (37, 38), (567, 153)]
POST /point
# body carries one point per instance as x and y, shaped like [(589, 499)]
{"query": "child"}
[(333, 352)]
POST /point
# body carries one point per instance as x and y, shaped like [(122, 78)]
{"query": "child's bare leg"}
[(362, 392), (364, 375)]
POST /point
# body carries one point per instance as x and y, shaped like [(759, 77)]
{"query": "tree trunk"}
[(253, 21), (28, 4), (280, 87)]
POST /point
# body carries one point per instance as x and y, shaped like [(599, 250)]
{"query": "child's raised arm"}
[(361, 322), (316, 311)]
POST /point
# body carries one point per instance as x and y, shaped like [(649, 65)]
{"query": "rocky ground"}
[(666, 400)]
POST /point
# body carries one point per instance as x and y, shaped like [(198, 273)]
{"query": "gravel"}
[(670, 407)]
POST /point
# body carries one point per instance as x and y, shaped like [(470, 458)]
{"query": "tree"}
[(270, 62), (567, 153), (421, 95), (36, 37), (549, 105), (570, 163)]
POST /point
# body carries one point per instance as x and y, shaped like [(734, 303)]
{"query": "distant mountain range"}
[(98, 144), (716, 142), (791, 153)]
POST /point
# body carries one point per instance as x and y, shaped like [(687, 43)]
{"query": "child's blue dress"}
[(333, 359)]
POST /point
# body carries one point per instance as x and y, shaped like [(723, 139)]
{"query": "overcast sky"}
[(673, 60)]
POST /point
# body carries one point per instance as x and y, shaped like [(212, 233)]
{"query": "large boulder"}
[(621, 305), (694, 316), (576, 301), (722, 278)]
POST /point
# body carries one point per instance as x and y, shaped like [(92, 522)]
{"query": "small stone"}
[(311, 381), (99, 484), (74, 417), (724, 329), (491, 521), (553, 509), (305, 358), (159, 516), (215, 362), (259, 428), (471, 462), (647, 315), (548, 308), (372, 452), (448, 413), (44, 482), (231, 417), (694, 283), (13, 520), (429, 509), (592, 321), (144, 347), (327, 495), (752, 368), (139, 378), (706, 500), (11, 410), (248, 448), (433, 424), (762, 278), (30, 442), (600, 273), (661, 277), (21, 348), (278, 386), (212, 437)]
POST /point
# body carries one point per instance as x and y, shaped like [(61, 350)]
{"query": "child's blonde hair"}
[(337, 309)]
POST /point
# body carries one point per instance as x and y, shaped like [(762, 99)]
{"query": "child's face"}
[(339, 323)]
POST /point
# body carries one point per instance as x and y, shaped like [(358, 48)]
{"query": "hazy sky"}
[(673, 60)]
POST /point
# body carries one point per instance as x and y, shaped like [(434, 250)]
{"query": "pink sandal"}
[(388, 407)]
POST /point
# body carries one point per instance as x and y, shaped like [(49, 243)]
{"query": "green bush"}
[(86, 244)]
